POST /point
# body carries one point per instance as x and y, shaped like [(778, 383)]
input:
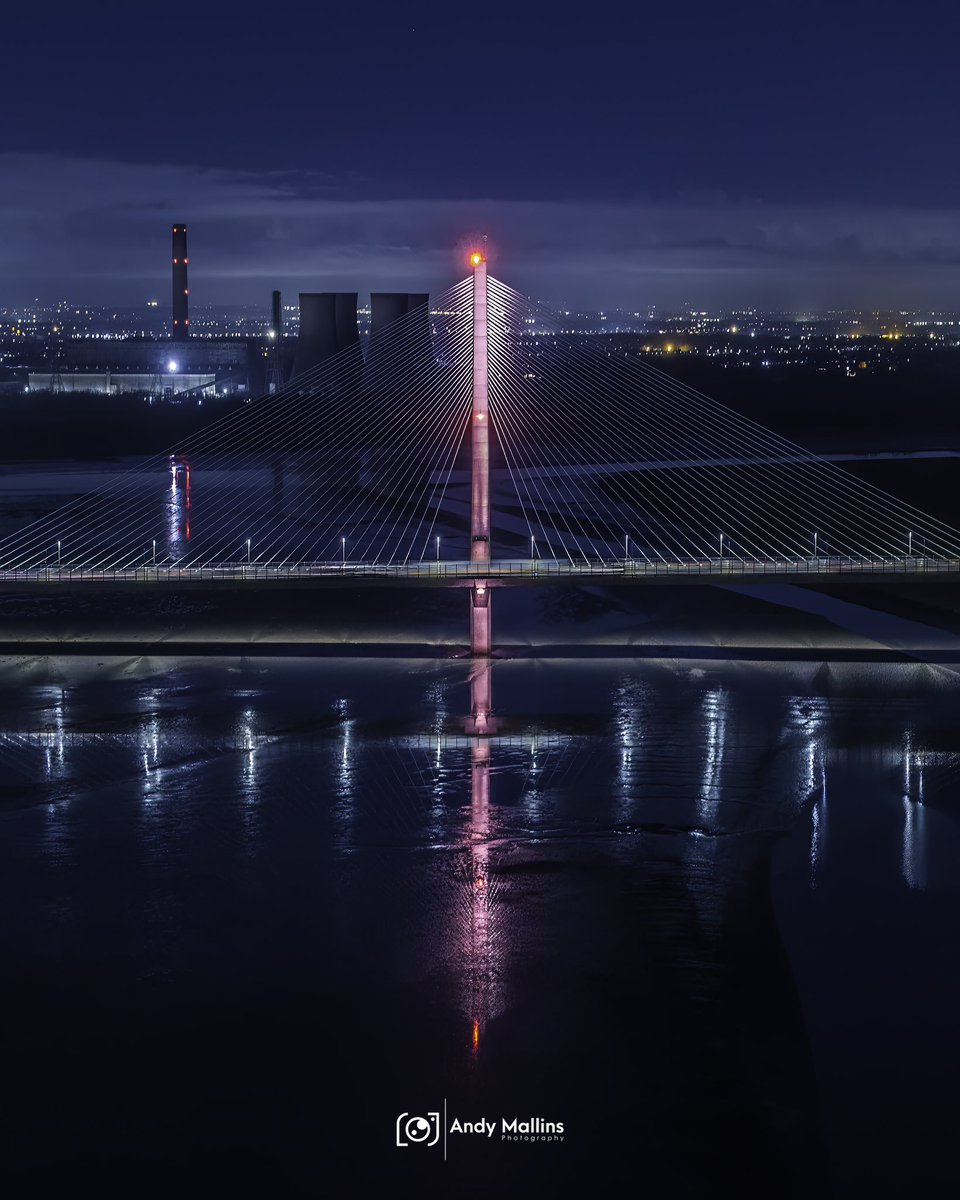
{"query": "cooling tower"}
[(317, 339), (399, 335), (347, 332), (418, 316), (328, 326)]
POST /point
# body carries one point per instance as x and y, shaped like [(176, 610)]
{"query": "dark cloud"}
[(98, 230)]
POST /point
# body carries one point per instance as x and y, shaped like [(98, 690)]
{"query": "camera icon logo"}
[(418, 1130)]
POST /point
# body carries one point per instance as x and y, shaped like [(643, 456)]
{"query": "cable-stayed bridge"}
[(502, 451)]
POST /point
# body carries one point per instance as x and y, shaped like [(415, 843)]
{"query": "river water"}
[(257, 911)]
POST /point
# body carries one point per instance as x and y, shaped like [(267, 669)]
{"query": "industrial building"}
[(241, 365), (163, 367), (110, 383)]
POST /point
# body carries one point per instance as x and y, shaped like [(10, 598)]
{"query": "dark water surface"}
[(702, 915)]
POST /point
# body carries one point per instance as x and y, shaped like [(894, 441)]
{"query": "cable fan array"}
[(609, 456), (597, 456), (350, 452)]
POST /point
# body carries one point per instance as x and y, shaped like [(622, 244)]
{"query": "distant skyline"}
[(785, 156)]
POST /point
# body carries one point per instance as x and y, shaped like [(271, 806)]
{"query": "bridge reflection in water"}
[(566, 914)]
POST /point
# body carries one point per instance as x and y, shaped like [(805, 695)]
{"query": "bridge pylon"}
[(480, 609)]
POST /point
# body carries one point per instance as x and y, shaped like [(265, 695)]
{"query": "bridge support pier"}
[(481, 722), (480, 615)]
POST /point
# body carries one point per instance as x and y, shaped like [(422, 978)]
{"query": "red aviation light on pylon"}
[(476, 258)]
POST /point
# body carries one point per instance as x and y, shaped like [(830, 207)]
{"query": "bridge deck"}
[(498, 572)]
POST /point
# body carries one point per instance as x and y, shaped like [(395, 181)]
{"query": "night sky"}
[(616, 154)]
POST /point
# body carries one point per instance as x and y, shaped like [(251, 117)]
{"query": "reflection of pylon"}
[(481, 933)]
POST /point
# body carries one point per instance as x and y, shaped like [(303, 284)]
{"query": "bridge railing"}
[(527, 569)]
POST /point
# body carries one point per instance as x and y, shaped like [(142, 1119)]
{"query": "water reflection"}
[(818, 834), (178, 508), (806, 720), (555, 879), (715, 703), (914, 843), (799, 745), (479, 940), (629, 705), (248, 744)]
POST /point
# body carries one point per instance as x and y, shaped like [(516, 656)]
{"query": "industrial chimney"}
[(181, 316), (275, 350)]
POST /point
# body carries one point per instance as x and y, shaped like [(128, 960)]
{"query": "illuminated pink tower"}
[(480, 462), (481, 721)]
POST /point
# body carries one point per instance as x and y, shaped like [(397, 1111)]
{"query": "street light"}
[(721, 546), (154, 551), (343, 551), (815, 554), (910, 545), (626, 545), (438, 547), (533, 546), (248, 549), (58, 554)]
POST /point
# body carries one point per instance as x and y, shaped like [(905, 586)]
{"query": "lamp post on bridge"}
[(910, 544), (438, 547), (248, 551), (58, 553), (721, 549), (154, 560), (343, 553)]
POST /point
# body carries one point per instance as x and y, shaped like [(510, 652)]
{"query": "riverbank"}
[(772, 622)]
